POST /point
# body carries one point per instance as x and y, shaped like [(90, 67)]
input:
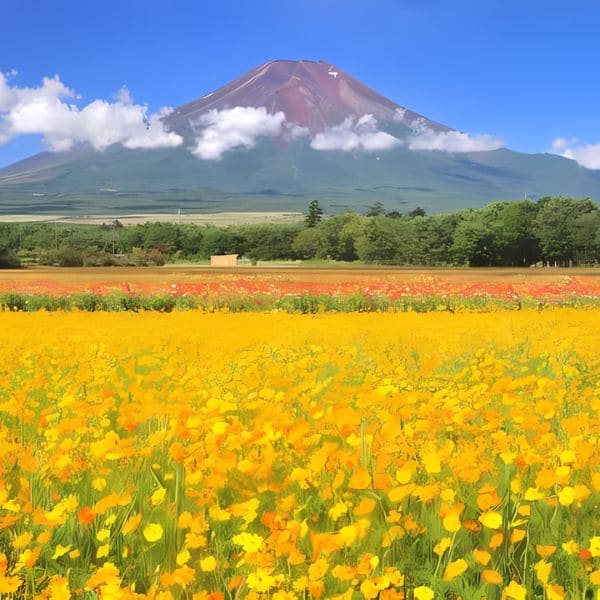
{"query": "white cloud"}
[(239, 127), (426, 138), (293, 131), (587, 155), (45, 110), (354, 134), (123, 95), (400, 114)]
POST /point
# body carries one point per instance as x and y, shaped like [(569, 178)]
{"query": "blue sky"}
[(523, 70)]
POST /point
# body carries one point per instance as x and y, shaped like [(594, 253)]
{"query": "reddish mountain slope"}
[(316, 95)]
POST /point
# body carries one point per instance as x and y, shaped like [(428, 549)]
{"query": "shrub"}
[(8, 260)]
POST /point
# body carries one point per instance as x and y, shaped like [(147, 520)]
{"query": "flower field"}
[(396, 455), (301, 290)]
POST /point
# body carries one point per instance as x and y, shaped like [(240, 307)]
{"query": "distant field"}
[(219, 219), (292, 273)]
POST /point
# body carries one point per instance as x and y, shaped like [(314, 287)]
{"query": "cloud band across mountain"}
[(45, 110), (219, 131), (52, 111), (587, 155), (453, 141), (355, 135)]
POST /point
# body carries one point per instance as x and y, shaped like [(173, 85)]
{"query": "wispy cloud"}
[(354, 135), (51, 110), (426, 138), (587, 155), (239, 127)]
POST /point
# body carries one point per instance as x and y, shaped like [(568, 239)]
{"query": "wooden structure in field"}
[(224, 260)]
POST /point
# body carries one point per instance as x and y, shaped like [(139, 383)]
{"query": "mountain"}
[(315, 95), (279, 136)]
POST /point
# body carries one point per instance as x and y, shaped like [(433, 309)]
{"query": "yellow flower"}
[(566, 496), (60, 551), (514, 591), (99, 484), (542, 570), (555, 592), (153, 532), (131, 524), (517, 535), (360, 480), (451, 522), (491, 519), (545, 551), (22, 541), (337, 510), (300, 584), (208, 564), (482, 557), (423, 592), (318, 569), (9, 585), (260, 581), (250, 542), (595, 546), (570, 547), (442, 546), (218, 514), (158, 496), (431, 462), (59, 588), (491, 576), (454, 569), (532, 494), (348, 534), (370, 588), (364, 507)]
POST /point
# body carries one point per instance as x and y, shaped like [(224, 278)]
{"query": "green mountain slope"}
[(282, 177)]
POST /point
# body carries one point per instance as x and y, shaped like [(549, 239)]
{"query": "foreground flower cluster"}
[(286, 456)]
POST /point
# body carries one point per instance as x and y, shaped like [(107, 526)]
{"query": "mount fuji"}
[(277, 137)]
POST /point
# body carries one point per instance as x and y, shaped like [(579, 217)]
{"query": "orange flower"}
[(86, 515)]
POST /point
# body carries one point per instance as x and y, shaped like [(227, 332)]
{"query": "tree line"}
[(554, 230)]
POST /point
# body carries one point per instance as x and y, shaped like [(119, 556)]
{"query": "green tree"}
[(314, 215), (473, 243), (269, 242), (434, 237), (516, 242), (339, 235), (585, 237), (376, 209), (417, 212), (386, 241), (306, 243), (555, 226), (8, 260)]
